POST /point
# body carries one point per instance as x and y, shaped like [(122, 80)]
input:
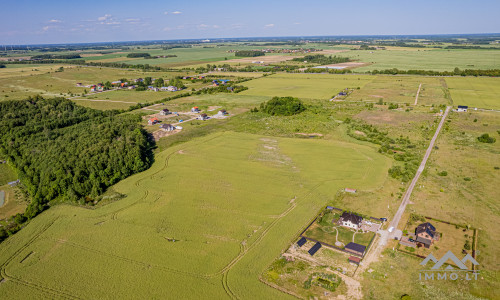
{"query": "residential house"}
[(203, 117), (152, 121), (426, 234), (356, 249), (222, 112), (350, 220), (172, 88), (195, 109), (115, 83), (165, 112), (462, 108), (167, 127), (348, 190)]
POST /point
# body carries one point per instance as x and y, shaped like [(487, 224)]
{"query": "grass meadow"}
[(208, 218), (311, 86), (435, 59), (481, 92)]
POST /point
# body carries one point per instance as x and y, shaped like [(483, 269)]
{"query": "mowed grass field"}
[(204, 221), (311, 86), (403, 89), (436, 59), (481, 92)]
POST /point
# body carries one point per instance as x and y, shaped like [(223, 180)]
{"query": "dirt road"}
[(418, 92), (406, 198)]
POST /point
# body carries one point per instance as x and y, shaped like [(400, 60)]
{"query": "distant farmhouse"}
[(152, 121), (203, 117), (426, 234), (195, 109), (222, 112), (462, 108), (350, 220)]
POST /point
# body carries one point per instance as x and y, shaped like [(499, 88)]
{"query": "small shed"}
[(354, 259), (301, 242), (167, 127), (348, 190)]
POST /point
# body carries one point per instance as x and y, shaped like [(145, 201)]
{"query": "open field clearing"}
[(468, 194), (403, 89), (19, 86), (437, 60), (482, 92), (208, 218), (103, 104), (312, 86)]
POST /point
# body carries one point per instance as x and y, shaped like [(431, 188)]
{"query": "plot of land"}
[(315, 86), (481, 92), (198, 219)]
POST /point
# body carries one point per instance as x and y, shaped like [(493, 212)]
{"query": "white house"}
[(462, 108), (350, 220), (167, 127)]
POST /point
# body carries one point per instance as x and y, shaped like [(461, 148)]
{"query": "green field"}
[(312, 86), (230, 201), (437, 59), (6, 174), (482, 92), (403, 89)]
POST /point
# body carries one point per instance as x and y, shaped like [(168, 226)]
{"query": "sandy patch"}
[(310, 134), (91, 54)]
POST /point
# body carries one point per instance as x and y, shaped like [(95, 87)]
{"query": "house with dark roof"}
[(426, 234), (355, 249), (167, 127), (222, 112), (164, 112), (350, 220), (462, 108), (203, 117)]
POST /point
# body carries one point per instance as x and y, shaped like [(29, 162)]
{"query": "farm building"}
[(152, 121), (350, 220), (14, 183), (167, 127), (356, 249), (164, 112), (203, 117), (426, 234), (195, 109), (348, 190), (462, 108)]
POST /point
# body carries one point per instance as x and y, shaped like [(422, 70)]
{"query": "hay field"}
[(481, 92), (437, 60), (402, 89), (206, 220), (311, 86)]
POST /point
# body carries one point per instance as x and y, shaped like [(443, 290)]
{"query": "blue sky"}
[(57, 21)]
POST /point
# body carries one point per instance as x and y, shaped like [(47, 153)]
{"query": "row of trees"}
[(70, 153), (136, 55), (56, 56), (456, 71), (248, 53), (322, 59)]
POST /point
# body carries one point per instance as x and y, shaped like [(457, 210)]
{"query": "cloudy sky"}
[(57, 21)]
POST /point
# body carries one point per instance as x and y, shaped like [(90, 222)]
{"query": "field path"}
[(418, 92)]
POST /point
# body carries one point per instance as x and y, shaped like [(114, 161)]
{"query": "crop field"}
[(312, 86), (403, 89), (437, 59), (482, 92), (208, 218)]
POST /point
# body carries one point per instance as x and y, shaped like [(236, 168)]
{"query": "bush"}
[(393, 106), (486, 138), (467, 179), (283, 106), (135, 55), (443, 173)]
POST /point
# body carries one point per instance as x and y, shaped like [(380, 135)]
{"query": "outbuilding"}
[(356, 249)]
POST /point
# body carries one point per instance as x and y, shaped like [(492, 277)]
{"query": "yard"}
[(481, 92)]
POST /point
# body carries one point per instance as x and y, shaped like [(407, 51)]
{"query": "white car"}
[(391, 229)]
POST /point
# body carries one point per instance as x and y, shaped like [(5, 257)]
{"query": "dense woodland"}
[(322, 59), (65, 152), (248, 53), (282, 106)]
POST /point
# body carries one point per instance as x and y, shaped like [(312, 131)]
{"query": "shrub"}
[(393, 106), (443, 173), (283, 106), (486, 138), (467, 178)]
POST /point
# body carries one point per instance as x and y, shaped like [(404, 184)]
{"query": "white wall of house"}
[(350, 225)]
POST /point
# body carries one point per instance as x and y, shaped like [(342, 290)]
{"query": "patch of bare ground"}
[(265, 59), (91, 54), (360, 133), (157, 135), (310, 134)]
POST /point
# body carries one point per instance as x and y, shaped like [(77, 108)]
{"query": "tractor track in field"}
[(42, 288)]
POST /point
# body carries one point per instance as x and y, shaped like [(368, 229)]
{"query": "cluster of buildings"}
[(425, 235), (217, 82), (282, 50), (99, 87)]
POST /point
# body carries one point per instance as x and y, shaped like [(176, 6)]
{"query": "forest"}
[(322, 59), (64, 152), (248, 53)]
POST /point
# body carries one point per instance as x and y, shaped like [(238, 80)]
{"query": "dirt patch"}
[(162, 133), (392, 117), (310, 134), (91, 54), (360, 133), (264, 59)]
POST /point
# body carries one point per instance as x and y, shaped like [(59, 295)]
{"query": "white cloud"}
[(167, 29), (104, 18), (176, 12), (269, 26), (202, 26), (165, 13), (297, 23), (132, 20), (45, 28), (55, 21), (216, 26)]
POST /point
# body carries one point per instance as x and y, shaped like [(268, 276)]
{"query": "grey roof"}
[(424, 240), (427, 228), (347, 216), (355, 247)]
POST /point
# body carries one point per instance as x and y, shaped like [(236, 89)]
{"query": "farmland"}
[(475, 92), (201, 178), (313, 86)]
